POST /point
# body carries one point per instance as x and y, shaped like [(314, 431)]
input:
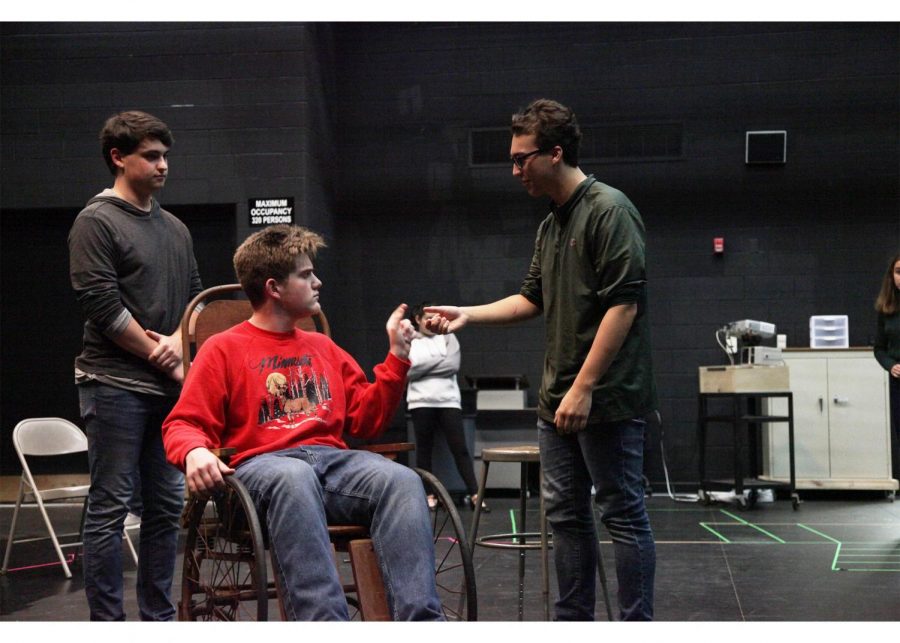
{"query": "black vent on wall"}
[(766, 147), (656, 141), (599, 143)]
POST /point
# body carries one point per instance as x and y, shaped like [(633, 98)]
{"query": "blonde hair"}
[(888, 301), (272, 253)]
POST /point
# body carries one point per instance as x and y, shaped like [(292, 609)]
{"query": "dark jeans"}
[(610, 457), (426, 421), (125, 452), (894, 388)]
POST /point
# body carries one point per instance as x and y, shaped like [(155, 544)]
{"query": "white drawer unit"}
[(829, 331), (842, 434)]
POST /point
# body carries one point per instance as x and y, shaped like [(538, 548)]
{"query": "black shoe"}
[(471, 504)]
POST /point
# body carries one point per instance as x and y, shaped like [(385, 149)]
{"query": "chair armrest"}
[(389, 450), (224, 453)]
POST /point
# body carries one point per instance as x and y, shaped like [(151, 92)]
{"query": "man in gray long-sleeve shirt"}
[(133, 269)]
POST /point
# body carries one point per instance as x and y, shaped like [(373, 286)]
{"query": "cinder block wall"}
[(243, 100), (248, 105), (809, 237), (367, 125)]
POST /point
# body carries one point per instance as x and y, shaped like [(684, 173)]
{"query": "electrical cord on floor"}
[(683, 497)]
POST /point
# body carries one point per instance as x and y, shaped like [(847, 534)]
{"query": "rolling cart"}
[(745, 419)]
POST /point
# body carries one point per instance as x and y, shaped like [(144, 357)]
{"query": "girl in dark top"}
[(887, 345)]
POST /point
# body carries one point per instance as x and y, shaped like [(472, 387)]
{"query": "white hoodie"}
[(432, 377)]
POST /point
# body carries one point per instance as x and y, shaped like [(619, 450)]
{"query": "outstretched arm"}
[(449, 319)]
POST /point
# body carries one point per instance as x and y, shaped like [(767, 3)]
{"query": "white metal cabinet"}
[(841, 422)]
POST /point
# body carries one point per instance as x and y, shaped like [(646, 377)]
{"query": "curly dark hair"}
[(552, 124)]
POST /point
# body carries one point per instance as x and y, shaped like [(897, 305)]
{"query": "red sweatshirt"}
[(259, 391)]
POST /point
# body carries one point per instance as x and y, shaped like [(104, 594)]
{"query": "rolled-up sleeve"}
[(619, 257), (532, 286)]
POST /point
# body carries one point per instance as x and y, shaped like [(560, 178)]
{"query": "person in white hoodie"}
[(434, 401)]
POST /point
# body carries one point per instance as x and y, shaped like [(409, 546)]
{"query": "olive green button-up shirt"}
[(588, 257)]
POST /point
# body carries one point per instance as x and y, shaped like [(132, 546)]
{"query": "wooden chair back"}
[(222, 310)]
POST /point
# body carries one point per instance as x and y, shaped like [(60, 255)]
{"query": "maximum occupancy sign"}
[(271, 210)]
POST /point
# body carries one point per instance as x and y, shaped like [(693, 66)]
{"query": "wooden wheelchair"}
[(226, 573)]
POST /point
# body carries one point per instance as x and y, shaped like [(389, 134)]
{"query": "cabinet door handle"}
[(841, 400), (821, 405)]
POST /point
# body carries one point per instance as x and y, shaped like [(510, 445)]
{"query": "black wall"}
[(367, 125), (809, 237)]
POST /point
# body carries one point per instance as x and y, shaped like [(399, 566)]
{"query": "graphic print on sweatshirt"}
[(295, 393)]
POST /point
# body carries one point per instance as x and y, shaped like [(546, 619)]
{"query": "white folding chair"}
[(53, 437), (46, 437), (132, 522)]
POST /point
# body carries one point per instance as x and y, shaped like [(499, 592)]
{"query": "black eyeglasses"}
[(519, 159)]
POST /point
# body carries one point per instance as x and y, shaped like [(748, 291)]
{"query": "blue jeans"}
[(298, 491), (128, 468), (608, 456)]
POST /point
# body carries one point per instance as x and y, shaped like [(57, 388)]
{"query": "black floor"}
[(834, 559)]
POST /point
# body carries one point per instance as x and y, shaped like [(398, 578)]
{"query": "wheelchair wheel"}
[(454, 572), (224, 577)]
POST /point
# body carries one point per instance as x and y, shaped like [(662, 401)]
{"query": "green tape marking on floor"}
[(756, 527), (715, 533), (874, 556), (819, 533), (848, 557), (851, 561), (837, 551)]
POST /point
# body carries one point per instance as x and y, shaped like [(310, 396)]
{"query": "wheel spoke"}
[(222, 579), (454, 573)]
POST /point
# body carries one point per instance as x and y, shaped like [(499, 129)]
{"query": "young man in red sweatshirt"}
[(284, 399)]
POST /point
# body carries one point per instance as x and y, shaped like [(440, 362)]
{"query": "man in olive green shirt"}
[(587, 277)]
